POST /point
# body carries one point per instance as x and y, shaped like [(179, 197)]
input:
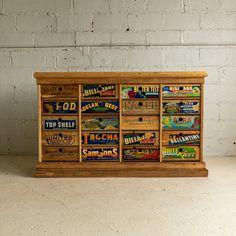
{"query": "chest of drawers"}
[(120, 124)]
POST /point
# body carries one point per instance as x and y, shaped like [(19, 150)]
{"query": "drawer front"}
[(99, 91), (100, 107), (60, 91), (100, 154), (100, 123), (137, 154), (60, 139), (181, 138), (59, 107), (140, 123), (60, 154), (181, 107), (181, 122), (181, 91), (148, 107), (100, 138), (60, 123), (183, 153), (141, 138), (140, 91)]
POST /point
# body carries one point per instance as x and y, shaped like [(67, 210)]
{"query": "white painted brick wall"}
[(116, 35)]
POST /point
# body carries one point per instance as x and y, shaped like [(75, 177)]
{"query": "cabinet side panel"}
[(39, 124), (202, 118)]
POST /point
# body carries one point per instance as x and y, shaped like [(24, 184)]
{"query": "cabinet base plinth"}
[(104, 169)]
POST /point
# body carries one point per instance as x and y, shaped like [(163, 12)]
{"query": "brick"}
[(73, 23), (212, 92), (181, 21), (30, 129), (91, 6), (5, 60), (92, 38), (201, 5), (144, 58), (24, 94), (7, 23), (133, 6), (54, 39), (28, 58), (16, 39), (71, 58), (37, 6), (228, 5), (218, 20), (110, 22), (227, 93), (228, 76), (227, 129), (163, 6), (145, 22), (211, 111), (181, 57), (228, 36), (211, 128), (212, 147), (107, 57), (217, 57), (163, 37), (227, 147), (227, 111), (37, 23), (128, 38), (6, 93)]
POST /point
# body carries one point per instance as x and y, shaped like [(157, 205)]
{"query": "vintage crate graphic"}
[(100, 91), (60, 139), (181, 122), (59, 123), (140, 91), (100, 154), (187, 153), (141, 138), (147, 107), (100, 123), (140, 154), (59, 107), (181, 91), (181, 107), (100, 138), (181, 138), (60, 153), (100, 107), (60, 91), (140, 123)]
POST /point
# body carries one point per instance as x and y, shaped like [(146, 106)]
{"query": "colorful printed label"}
[(100, 138), (140, 123), (60, 90), (100, 107), (60, 107), (100, 154), (185, 107), (142, 91), (137, 154), (148, 138), (108, 90), (176, 139), (181, 91), (179, 153), (105, 123), (181, 122), (59, 125), (60, 139)]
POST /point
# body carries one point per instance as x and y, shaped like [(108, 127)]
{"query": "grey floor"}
[(117, 206)]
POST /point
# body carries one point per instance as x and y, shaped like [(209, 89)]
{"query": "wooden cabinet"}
[(120, 124)]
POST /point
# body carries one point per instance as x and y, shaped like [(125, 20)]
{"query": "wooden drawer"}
[(100, 138), (60, 139), (181, 137), (140, 154), (59, 107), (60, 153), (60, 91), (99, 123), (182, 153), (140, 91), (141, 138), (99, 91), (100, 107), (181, 122), (181, 107), (139, 106), (60, 123), (181, 90), (100, 154), (140, 123)]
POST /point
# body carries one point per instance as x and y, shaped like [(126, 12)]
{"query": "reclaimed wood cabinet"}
[(120, 124)]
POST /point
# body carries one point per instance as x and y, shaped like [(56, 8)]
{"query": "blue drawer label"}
[(52, 107)]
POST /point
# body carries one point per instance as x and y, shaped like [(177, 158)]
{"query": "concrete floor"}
[(116, 206)]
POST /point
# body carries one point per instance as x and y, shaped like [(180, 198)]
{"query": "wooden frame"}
[(76, 166)]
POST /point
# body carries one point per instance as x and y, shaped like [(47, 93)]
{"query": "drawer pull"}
[(59, 89), (60, 119), (60, 150), (181, 88), (181, 103), (180, 149), (100, 119), (99, 88), (180, 134), (140, 104), (99, 104), (140, 119), (60, 135), (140, 88), (180, 119)]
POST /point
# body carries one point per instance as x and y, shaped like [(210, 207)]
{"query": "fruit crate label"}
[(59, 107), (60, 91), (138, 154), (179, 152), (181, 91), (100, 107), (104, 123), (108, 90), (100, 138), (147, 138), (59, 139), (100, 154), (59, 124)]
